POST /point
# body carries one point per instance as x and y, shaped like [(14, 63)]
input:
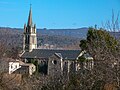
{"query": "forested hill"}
[(77, 33), (55, 38)]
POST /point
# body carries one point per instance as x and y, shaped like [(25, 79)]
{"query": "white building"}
[(19, 67), (13, 66)]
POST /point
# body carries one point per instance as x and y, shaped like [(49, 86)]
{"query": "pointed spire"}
[(30, 17)]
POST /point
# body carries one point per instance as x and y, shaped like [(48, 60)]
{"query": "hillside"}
[(76, 33), (47, 38)]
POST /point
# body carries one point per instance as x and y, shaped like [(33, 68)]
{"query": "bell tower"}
[(29, 39)]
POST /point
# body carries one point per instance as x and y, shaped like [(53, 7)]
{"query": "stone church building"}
[(48, 61)]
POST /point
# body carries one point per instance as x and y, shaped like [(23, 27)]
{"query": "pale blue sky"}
[(57, 13)]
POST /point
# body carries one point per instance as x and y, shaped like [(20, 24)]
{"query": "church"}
[(47, 61)]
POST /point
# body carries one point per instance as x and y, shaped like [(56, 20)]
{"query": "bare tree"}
[(112, 25)]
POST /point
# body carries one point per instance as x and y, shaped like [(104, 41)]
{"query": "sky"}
[(57, 14)]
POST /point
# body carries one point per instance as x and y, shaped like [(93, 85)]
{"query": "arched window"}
[(65, 63), (54, 62)]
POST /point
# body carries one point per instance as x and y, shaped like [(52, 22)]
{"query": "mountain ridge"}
[(76, 33)]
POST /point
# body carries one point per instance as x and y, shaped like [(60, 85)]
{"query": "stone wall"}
[(55, 67)]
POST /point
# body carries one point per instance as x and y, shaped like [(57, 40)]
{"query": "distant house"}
[(11, 66)]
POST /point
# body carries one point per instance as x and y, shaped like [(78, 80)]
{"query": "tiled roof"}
[(46, 53)]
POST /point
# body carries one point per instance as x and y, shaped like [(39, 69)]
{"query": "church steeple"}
[(30, 17), (30, 39)]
